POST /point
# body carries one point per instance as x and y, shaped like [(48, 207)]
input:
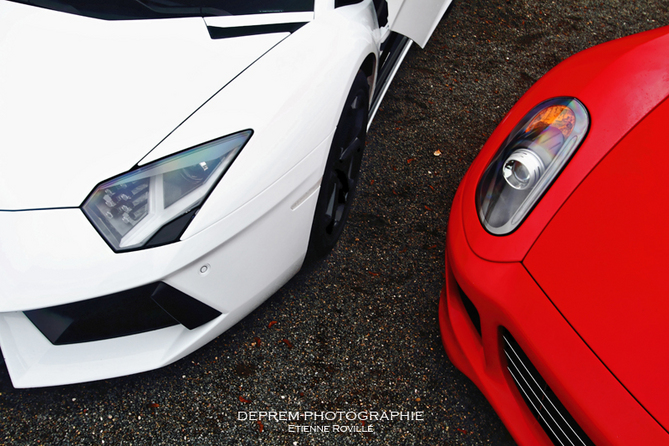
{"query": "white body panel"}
[(236, 283), (416, 19), (84, 99), (291, 111), (148, 89)]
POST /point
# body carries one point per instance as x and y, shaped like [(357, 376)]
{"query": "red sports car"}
[(556, 302)]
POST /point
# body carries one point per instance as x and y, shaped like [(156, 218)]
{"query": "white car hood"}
[(82, 100)]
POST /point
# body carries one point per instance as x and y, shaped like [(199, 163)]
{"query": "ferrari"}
[(167, 165), (555, 300)]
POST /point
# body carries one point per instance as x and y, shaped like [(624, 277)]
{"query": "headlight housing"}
[(528, 162), (152, 205)]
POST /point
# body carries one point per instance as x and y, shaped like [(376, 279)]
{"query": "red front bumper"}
[(506, 297)]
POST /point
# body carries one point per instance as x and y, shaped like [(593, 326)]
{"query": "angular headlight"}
[(152, 205), (528, 162)]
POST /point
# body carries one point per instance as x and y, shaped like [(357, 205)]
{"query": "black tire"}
[(342, 171)]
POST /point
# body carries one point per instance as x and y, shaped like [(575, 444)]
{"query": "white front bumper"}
[(54, 257)]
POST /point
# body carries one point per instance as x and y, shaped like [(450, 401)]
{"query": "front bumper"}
[(232, 277), (506, 299), (54, 258)]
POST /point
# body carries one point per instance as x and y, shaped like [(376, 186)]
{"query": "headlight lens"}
[(529, 160), (130, 210)]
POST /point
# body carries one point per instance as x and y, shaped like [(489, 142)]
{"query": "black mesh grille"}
[(558, 424)]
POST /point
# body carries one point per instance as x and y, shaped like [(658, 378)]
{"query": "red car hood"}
[(602, 260)]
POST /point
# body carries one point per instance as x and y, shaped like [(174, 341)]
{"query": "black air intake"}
[(142, 309)]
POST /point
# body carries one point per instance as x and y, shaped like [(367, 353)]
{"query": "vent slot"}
[(553, 417)]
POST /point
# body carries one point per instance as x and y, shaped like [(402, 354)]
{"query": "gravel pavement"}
[(359, 330)]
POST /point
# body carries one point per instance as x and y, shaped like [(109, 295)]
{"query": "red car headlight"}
[(528, 162)]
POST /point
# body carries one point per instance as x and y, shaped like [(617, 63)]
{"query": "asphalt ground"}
[(358, 331)]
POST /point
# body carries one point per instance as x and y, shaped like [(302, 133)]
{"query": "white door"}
[(416, 19)]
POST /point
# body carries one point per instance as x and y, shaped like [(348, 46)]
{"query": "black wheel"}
[(342, 171)]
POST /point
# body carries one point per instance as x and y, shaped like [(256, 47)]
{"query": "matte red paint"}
[(619, 83), (506, 296), (603, 261), (578, 261)]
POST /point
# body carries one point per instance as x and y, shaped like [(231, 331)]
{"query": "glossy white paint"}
[(416, 19), (290, 111), (85, 99), (105, 96), (57, 257), (244, 271)]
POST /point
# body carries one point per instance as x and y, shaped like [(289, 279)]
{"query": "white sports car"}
[(166, 165)]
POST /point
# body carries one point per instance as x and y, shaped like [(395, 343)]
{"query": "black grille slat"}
[(558, 424)]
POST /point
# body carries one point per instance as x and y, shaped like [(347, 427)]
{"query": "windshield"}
[(153, 9)]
